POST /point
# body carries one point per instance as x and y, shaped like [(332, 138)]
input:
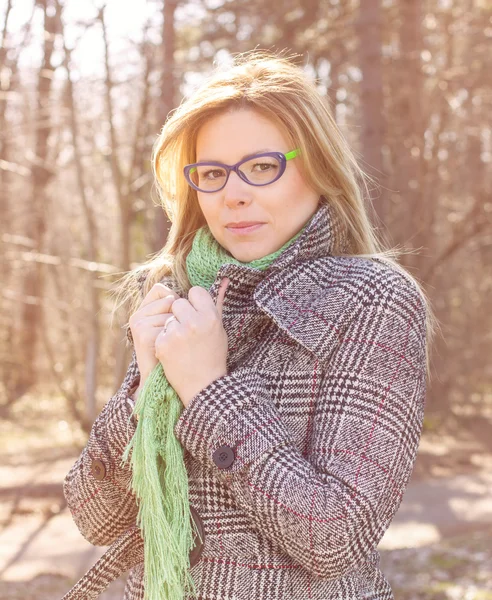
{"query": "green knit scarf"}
[(159, 476)]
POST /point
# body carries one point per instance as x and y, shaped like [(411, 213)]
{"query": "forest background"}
[(85, 88)]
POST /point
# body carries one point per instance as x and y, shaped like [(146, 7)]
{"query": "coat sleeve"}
[(97, 487), (329, 506)]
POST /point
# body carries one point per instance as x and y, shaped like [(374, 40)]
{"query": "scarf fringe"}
[(158, 466)]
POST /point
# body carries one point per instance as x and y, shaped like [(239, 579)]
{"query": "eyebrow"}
[(242, 158)]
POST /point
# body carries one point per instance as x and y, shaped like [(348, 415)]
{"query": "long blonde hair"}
[(277, 88)]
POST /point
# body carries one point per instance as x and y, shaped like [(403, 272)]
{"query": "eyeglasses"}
[(260, 169)]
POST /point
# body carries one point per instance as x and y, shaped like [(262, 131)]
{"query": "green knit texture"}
[(159, 476)]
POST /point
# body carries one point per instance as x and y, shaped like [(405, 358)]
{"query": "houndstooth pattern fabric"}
[(323, 406)]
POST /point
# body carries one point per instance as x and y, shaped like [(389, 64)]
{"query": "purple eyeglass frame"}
[(283, 158)]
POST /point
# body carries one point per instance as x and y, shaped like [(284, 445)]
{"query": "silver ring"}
[(167, 323)]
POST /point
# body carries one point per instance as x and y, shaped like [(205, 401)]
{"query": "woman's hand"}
[(193, 349), (146, 324)]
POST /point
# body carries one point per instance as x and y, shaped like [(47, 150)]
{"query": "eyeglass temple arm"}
[(292, 154)]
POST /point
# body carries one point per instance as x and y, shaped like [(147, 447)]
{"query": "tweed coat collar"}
[(289, 290), (290, 285)]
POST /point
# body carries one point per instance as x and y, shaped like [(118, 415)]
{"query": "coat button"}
[(98, 469), (198, 539), (224, 457)]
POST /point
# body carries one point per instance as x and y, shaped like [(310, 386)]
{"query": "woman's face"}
[(284, 206)]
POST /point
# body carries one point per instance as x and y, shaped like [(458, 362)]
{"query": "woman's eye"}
[(261, 165), (207, 174)]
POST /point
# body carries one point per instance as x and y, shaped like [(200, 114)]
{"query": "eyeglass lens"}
[(258, 171)]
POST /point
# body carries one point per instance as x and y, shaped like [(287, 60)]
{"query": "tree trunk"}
[(36, 223), (167, 100), (369, 29)]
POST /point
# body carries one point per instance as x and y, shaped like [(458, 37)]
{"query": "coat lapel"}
[(294, 290)]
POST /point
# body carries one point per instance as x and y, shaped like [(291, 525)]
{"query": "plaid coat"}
[(299, 457)]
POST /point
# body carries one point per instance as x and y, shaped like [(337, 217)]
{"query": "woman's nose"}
[(236, 189)]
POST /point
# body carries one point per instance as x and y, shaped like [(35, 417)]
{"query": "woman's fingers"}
[(147, 322), (153, 321), (160, 306), (156, 307), (157, 292), (146, 330)]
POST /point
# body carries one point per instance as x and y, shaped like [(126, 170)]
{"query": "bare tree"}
[(93, 330), (370, 37), (167, 97), (123, 177), (41, 174)]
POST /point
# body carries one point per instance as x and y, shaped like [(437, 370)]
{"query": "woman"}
[(298, 350)]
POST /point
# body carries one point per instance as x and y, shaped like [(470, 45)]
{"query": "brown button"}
[(199, 539), (223, 457), (98, 469)]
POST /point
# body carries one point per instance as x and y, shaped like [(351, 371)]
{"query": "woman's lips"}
[(245, 230)]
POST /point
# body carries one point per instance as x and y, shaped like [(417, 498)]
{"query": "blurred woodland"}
[(82, 102)]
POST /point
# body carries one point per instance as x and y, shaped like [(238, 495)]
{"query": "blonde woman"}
[(292, 348)]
